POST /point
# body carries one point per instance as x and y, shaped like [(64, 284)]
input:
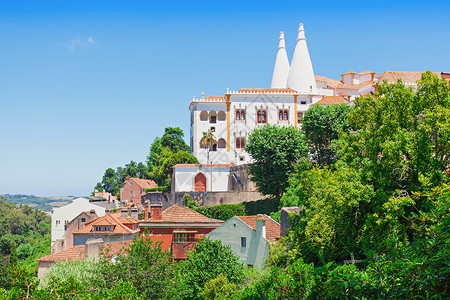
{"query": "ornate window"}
[(240, 143), (283, 115), (240, 115), (261, 116)]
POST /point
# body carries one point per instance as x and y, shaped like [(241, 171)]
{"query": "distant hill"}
[(42, 203)]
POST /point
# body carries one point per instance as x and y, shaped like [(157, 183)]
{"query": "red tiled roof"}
[(406, 77), (333, 83), (144, 183), (181, 214), (273, 229), (354, 86), (78, 252), (73, 253), (113, 219), (331, 100), (366, 72), (214, 99), (349, 72)]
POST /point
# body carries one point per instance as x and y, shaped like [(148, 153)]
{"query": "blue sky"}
[(87, 85)]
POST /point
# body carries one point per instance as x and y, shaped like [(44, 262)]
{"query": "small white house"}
[(197, 177), (248, 237), (66, 213)]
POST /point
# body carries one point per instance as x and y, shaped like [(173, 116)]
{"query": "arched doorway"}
[(200, 183)]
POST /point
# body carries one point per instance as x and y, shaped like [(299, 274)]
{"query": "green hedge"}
[(158, 189), (226, 211)]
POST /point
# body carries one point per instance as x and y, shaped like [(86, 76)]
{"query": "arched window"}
[(261, 116), (240, 115), (203, 115), (212, 116), (240, 143), (221, 144), (221, 116), (283, 115)]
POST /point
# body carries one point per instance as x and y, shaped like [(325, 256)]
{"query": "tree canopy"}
[(275, 150), (321, 126)]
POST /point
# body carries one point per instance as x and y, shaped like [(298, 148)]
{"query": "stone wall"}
[(203, 199)]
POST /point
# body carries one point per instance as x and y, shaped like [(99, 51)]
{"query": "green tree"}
[(219, 289), (403, 137), (13, 256), (178, 158), (321, 126), (208, 260), (275, 150), (110, 181), (173, 139)]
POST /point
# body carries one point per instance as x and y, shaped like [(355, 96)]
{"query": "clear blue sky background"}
[(87, 85)]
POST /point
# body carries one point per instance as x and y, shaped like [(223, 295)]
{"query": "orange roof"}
[(366, 72), (344, 95), (73, 253), (406, 77), (113, 219), (333, 83), (144, 183), (331, 100), (268, 90), (273, 229), (181, 214), (349, 72), (354, 86), (78, 252), (214, 99)]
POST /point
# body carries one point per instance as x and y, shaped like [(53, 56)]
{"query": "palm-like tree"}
[(208, 140)]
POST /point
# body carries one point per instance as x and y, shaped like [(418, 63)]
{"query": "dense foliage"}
[(321, 126), (275, 150), (226, 211), (165, 152)]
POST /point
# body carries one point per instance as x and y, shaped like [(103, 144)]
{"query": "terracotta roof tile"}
[(214, 99), (331, 100), (78, 252), (181, 214), (73, 253), (354, 86), (349, 72), (366, 72), (273, 229), (333, 83), (144, 183), (109, 220), (408, 78)]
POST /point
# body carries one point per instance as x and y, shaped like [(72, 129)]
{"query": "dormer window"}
[(103, 228)]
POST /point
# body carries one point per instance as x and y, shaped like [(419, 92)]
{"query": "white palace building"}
[(233, 116)]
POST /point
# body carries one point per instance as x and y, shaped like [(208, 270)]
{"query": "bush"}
[(24, 251)]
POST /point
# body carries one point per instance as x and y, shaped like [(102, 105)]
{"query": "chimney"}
[(260, 226), (124, 212), (93, 248), (146, 210), (92, 213), (156, 211), (134, 212), (106, 210)]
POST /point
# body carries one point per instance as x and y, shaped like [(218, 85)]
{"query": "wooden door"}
[(200, 183)]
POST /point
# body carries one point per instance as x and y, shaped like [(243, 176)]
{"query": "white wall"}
[(68, 213), (185, 178)]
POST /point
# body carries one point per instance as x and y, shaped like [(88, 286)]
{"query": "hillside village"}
[(176, 209)]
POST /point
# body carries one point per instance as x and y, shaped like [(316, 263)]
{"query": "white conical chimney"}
[(301, 74), (281, 70)]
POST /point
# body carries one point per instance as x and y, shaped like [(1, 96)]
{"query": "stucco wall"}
[(79, 239), (231, 232), (68, 213)]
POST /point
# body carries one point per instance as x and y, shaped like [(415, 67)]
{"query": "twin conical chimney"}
[(281, 70), (301, 75)]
